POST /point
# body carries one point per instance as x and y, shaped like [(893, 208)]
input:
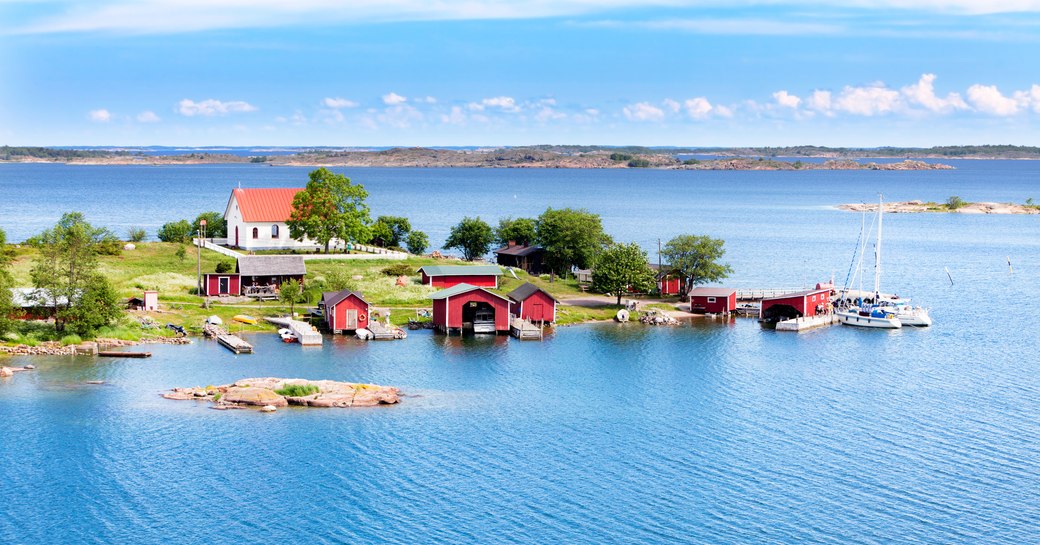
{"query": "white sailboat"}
[(871, 315)]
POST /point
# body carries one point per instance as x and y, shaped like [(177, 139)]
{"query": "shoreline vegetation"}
[(954, 205), (593, 157)]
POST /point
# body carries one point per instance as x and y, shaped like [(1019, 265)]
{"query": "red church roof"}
[(266, 204)]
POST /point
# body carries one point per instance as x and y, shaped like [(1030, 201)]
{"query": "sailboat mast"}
[(877, 252)]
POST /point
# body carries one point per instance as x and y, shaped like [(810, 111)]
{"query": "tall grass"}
[(297, 390)]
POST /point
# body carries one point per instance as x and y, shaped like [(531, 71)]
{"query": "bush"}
[(71, 339), (297, 390), (224, 267), (175, 231), (136, 234), (692, 162), (417, 242), (181, 253), (620, 157), (639, 163), (955, 202), (399, 269)]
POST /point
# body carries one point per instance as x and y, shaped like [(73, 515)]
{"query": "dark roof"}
[(519, 250), (712, 292), (271, 265), (459, 289), (461, 270), (526, 290), (798, 294), (333, 298)]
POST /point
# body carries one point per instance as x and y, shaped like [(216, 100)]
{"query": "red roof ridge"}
[(265, 203)]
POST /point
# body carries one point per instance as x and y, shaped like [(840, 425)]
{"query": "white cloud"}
[(211, 107), (547, 113), (643, 111), (923, 94), (393, 99), (337, 103), (148, 116), (101, 116), (787, 100), (506, 104), (698, 107), (989, 99), (869, 100), (455, 117), (672, 105), (426, 100), (820, 100)]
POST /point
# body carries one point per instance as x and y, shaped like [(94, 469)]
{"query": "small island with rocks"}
[(952, 205), (270, 393)]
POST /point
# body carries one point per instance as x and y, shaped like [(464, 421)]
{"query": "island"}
[(270, 393), (953, 205)]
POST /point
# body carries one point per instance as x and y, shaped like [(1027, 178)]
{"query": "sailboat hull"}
[(856, 320)]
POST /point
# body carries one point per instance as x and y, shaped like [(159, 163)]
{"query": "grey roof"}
[(451, 270), (271, 265), (526, 290), (712, 292), (333, 298), (459, 289), (33, 297), (519, 250)]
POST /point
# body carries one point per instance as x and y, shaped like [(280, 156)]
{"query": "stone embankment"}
[(55, 348), (264, 392), (913, 207)]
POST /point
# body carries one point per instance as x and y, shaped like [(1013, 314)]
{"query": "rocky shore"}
[(55, 348), (913, 207), (270, 393)]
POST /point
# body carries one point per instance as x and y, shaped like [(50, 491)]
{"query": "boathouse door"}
[(537, 315), (351, 319)]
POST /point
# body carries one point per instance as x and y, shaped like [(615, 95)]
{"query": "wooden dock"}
[(305, 333), (234, 343), (804, 324), (117, 354), (524, 329), (381, 332)]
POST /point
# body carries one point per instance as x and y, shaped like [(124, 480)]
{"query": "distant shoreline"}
[(917, 207)]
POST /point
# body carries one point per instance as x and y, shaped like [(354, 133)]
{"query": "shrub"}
[(175, 231), (417, 242), (71, 339), (224, 267), (398, 269), (692, 162), (297, 390), (136, 234), (639, 163), (181, 253), (620, 157), (955, 202)]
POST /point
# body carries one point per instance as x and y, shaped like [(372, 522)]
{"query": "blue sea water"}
[(711, 432)]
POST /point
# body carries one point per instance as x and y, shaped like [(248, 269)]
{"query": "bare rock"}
[(252, 395), (268, 408), (6, 372)]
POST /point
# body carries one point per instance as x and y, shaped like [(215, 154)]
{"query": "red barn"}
[(345, 310), (470, 307), (446, 276), (713, 300), (532, 303), (796, 305)]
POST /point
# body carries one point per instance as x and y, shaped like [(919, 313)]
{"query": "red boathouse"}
[(446, 276), (345, 310), (532, 303), (713, 300), (457, 306), (797, 305)]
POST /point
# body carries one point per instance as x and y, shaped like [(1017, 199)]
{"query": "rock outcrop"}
[(264, 392), (911, 207)]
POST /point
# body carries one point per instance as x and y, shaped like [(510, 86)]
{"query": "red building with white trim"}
[(446, 276), (457, 306), (705, 300), (532, 303), (796, 305), (345, 310)]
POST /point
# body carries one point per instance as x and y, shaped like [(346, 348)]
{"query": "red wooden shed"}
[(532, 303), (345, 310), (218, 284), (446, 276), (668, 284), (713, 300), (459, 306), (796, 305)]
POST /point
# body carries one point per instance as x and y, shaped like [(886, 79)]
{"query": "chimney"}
[(512, 243)]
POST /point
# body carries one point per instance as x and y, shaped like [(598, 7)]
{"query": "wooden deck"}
[(382, 333), (524, 330), (234, 343)]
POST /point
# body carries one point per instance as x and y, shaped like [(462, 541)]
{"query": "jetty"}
[(234, 343), (119, 354), (305, 333), (381, 332), (806, 323), (524, 329)]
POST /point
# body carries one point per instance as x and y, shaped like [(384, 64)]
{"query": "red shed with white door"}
[(713, 300), (345, 310), (530, 302)]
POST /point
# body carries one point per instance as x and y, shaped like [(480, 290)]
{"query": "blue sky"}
[(405, 72)]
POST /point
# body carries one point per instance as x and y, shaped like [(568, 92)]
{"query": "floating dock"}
[(381, 332), (234, 343), (523, 329), (805, 324), (305, 333), (117, 354)]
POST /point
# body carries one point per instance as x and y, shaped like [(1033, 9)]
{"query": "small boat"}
[(907, 314), (484, 321), (869, 317), (214, 320), (287, 336), (244, 318)]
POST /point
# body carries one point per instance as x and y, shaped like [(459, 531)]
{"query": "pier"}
[(234, 343), (804, 324), (524, 329), (305, 333)]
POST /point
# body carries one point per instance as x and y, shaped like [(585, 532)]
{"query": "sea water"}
[(711, 432)]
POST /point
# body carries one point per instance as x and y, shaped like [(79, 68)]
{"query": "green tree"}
[(955, 202), (6, 283), (571, 238), (330, 207), (216, 225), (696, 259), (176, 231), (390, 231), (181, 253), (418, 242), (620, 267), (522, 231), (136, 234), (291, 292), (473, 236), (224, 266), (66, 266), (97, 306)]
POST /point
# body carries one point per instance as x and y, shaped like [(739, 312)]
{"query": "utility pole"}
[(198, 253)]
